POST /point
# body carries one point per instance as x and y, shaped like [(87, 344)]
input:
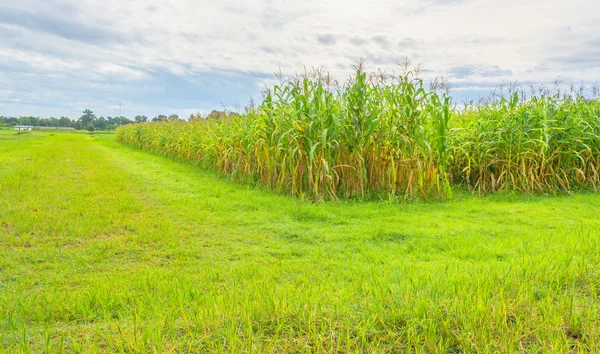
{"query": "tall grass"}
[(381, 134), (544, 144)]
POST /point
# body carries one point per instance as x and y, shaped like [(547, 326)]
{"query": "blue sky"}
[(58, 57)]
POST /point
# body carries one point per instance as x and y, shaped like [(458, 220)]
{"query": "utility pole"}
[(119, 121)]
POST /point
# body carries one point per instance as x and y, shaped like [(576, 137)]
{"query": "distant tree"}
[(124, 120), (116, 122), (87, 117), (9, 121), (141, 119), (25, 120), (90, 127), (65, 122), (77, 125), (173, 117), (35, 121), (194, 117), (160, 118), (100, 123), (217, 114), (51, 122)]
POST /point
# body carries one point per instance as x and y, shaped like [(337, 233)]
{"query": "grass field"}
[(106, 248)]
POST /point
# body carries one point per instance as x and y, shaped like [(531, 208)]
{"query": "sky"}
[(59, 57)]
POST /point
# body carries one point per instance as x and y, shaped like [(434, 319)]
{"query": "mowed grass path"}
[(107, 248)]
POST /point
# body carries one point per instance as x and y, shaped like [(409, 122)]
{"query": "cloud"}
[(575, 50), (408, 43), (121, 71), (380, 40), (327, 39), (59, 26), (464, 71), (358, 41), (60, 56), (446, 2)]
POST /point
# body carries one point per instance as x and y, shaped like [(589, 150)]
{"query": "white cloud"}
[(161, 56), (121, 71)]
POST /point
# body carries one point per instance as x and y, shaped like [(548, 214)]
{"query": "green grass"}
[(107, 248)]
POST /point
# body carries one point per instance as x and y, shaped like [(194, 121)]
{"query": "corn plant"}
[(380, 134)]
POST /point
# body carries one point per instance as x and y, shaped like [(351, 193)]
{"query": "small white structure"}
[(23, 127)]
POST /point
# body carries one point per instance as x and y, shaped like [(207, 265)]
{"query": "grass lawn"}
[(107, 248)]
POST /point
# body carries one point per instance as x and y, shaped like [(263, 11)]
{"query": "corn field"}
[(546, 144), (380, 134)]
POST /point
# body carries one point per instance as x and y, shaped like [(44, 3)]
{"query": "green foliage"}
[(544, 144), (389, 136), (36, 121), (313, 139), (141, 119), (88, 117), (160, 118)]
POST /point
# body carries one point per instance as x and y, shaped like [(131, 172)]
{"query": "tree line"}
[(89, 120)]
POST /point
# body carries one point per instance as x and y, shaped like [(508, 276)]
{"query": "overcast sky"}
[(58, 57)]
